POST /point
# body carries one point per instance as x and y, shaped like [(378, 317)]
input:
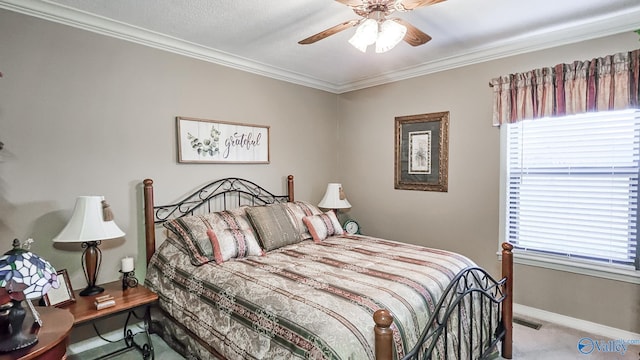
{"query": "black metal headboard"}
[(218, 195)]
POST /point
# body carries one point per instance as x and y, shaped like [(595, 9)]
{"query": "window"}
[(571, 189)]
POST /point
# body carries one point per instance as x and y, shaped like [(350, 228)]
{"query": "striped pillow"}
[(298, 210), (274, 225), (218, 236), (322, 226)]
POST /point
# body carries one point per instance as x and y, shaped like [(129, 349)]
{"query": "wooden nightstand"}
[(84, 310), (53, 337)]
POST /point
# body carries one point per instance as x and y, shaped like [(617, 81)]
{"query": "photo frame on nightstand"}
[(63, 295)]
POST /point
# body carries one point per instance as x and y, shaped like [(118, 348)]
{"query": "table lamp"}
[(23, 276), (90, 223), (334, 198)]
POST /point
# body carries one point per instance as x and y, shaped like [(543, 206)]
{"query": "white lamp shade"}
[(366, 34), (334, 198), (87, 223), (391, 33)]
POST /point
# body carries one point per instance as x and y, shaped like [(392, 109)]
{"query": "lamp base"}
[(91, 260), (17, 342), (91, 290), (13, 337)]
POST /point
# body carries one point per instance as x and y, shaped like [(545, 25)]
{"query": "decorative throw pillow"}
[(218, 236), (298, 210), (322, 226), (274, 226)]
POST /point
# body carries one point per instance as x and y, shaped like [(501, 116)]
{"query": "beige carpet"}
[(553, 342)]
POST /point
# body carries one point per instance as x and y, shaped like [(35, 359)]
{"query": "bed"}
[(242, 273)]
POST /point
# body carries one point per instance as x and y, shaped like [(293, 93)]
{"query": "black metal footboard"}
[(467, 322)]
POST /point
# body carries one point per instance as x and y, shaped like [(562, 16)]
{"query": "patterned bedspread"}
[(304, 301)]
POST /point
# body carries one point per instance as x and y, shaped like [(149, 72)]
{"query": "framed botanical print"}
[(211, 141), (422, 152)]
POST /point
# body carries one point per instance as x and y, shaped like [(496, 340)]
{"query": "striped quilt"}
[(302, 301)]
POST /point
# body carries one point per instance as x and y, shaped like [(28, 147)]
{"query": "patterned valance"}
[(601, 84)]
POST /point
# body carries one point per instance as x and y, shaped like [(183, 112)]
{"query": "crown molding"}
[(79, 19), (542, 39)]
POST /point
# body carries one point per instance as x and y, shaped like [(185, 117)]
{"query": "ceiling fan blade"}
[(351, 3), (412, 4), (330, 31), (414, 36)]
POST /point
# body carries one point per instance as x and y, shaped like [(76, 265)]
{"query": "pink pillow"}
[(218, 236), (322, 226)]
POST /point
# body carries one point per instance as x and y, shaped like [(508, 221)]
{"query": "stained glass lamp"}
[(23, 276)]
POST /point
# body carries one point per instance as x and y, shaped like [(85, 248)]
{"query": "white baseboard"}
[(588, 326), (96, 341)]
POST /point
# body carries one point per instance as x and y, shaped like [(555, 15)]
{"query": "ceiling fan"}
[(376, 27)]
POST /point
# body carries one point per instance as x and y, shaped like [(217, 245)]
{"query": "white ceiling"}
[(261, 36)]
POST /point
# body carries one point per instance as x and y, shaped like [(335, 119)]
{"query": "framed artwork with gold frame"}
[(422, 152)]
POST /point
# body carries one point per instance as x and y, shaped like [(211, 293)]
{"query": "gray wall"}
[(83, 114), (465, 219)]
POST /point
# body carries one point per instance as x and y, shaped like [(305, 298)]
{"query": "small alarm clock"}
[(351, 227)]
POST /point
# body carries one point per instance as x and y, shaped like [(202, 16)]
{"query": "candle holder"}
[(128, 279)]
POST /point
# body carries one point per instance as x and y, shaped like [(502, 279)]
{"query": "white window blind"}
[(572, 186)]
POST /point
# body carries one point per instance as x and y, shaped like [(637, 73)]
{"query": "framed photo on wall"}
[(62, 295), (211, 141), (422, 152)]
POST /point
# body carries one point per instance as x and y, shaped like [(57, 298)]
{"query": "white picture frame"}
[(63, 295), (211, 141)]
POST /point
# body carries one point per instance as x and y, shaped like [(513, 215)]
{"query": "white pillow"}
[(323, 225)]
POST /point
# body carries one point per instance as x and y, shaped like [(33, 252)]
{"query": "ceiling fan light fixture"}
[(374, 26), (358, 44), (391, 33), (366, 34)]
